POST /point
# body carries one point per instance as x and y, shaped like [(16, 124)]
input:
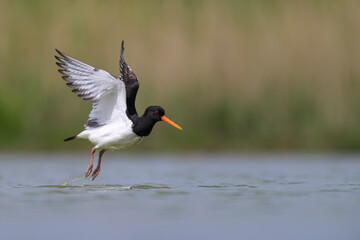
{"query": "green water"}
[(201, 196)]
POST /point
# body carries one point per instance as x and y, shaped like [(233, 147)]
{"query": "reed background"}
[(236, 75)]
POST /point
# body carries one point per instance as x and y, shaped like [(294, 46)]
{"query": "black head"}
[(154, 113), (144, 124)]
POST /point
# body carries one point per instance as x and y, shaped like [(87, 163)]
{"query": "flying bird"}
[(113, 121)]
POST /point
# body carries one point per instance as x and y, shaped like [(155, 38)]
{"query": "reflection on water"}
[(181, 197)]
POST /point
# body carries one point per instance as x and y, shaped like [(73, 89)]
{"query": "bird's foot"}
[(95, 173), (88, 170)]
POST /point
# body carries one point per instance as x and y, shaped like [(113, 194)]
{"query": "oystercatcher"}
[(113, 121)]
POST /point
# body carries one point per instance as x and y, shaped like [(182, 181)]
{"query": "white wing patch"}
[(107, 93)]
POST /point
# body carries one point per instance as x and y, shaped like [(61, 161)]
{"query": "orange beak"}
[(165, 119)]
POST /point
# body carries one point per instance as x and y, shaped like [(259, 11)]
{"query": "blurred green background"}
[(236, 75)]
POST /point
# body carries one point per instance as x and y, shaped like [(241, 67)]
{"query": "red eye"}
[(156, 112)]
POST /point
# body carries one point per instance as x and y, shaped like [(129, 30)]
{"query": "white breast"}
[(115, 135)]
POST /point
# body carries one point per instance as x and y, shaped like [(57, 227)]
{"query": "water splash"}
[(84, 183), (71, 180), (75, 179)]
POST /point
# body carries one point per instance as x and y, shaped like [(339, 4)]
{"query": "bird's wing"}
[(131, 83), (106, 92)]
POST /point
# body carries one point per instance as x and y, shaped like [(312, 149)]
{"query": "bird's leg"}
[(97, 169), (90, 167)]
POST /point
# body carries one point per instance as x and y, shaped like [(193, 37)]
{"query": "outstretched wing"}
[(131, 83), (106, 92)]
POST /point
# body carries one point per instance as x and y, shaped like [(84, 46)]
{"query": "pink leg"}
[(90, 167), (97, 169)]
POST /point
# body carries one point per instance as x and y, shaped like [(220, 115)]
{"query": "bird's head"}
[(157, 113)]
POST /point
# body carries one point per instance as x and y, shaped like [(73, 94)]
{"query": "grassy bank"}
[(234, 74)]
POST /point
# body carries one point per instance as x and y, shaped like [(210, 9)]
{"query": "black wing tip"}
[(58, 58), (70, 138), (59, 64), (122, 60), (63, 55), (61, 61), (122, 49), (66, 78), (59, 52)]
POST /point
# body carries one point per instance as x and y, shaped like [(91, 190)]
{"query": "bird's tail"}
[(70, 138)]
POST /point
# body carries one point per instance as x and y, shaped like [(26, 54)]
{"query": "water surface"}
[(194, 196)]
